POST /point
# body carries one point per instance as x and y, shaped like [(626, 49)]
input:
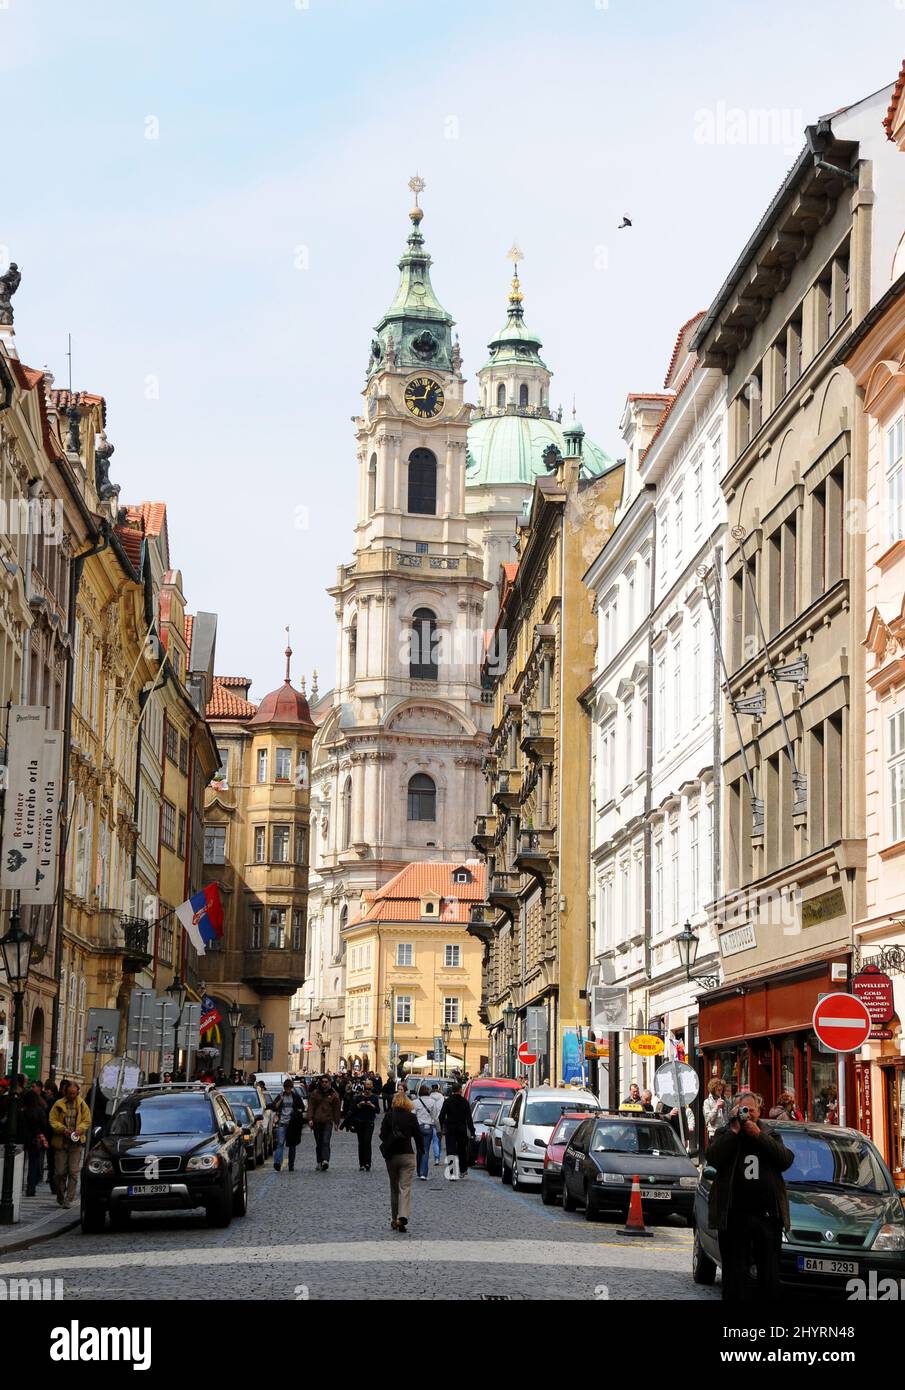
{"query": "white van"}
[(271, 1080)]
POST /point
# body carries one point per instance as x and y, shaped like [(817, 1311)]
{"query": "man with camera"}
[(749, 1207)]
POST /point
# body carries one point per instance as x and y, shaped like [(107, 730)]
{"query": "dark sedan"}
[(607, 1152), (846, 1216), (166, 1147), (551, 1180)]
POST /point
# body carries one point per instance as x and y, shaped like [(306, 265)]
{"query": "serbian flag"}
[(202, 917)]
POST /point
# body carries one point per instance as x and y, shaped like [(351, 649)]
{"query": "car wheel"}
[(703, 1268), (491, 1166), (240, 1197), (93, 1218), (220, 1210), (259, 1154), (119, 1218), (547, 1196), (506, 1175), (515, 1175), (591, 1210), (568, 1201)]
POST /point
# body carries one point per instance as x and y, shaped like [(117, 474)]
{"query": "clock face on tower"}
[(424, 397)]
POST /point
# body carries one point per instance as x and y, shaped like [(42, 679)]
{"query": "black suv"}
[(166, 1146)]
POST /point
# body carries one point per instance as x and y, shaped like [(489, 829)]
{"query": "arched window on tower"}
[(523, 396), (353, 650), (372, 485), (347, 814), (501, 397), (423, 652), (422, 482), (422, 797)]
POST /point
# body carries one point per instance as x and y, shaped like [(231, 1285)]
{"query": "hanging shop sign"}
[(874, 988)]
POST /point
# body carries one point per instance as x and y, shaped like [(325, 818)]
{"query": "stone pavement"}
[(41, 1218), (327, 1236)]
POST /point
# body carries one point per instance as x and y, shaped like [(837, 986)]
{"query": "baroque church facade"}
[(442, 487)]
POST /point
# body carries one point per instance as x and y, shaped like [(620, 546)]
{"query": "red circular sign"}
[(525, 1057), (842, 1022)]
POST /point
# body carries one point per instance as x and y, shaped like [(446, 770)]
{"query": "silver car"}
[(493, 1143), (526, 1129)]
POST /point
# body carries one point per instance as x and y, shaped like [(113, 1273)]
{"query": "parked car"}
[(256, 1097), (525, 1131), (847, 1218), (252, 1132), (172, 1146), (500, 1087), (483, 1113), (493, 1143), (414, 1083), (607, 1152), (270, 1080), (551, 1178)]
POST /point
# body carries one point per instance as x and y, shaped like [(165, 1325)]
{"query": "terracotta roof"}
[(679, 338), (223, 704), (285, 706), (648, 396), (897, 90), (187, 631), (62, 400), (510, 571), (668, 411), (400, 899), (234, 680), (152, 514)]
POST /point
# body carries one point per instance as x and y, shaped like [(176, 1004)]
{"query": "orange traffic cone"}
[(635, 1226)]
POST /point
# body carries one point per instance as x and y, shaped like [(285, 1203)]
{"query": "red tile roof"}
[(680, 336), (648, 396), (235, 680), (152, 514), (223, 704), (400, 899), (187, 631), (62, 400), (897, 90)]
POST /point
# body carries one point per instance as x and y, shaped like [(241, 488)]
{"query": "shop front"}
[(757, 1035)]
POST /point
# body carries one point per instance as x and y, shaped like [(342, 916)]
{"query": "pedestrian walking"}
[(289, 1113), (424, 1114), (634, 1095), (457, 1125), (323, 1117), (400, 1141), (70, 1121), (362, 1118), (35, 1132), (715, 1109), (748, 1205), (387, 1093), (436, 1102)]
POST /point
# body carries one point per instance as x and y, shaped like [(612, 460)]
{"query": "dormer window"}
[(462, 876), (430, 905)]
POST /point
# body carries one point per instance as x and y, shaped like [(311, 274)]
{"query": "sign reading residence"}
[(742, 938)]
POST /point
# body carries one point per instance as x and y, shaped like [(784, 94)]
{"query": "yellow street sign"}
[(646, 1045)]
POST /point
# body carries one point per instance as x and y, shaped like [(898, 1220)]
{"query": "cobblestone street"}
[(327, 1236)]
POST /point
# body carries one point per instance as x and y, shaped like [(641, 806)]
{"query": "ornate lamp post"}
[(464, 1034), (258, 1031), (178, 992), (16, 950), (687, 944), (509, 1015), (234, 1015), (446, 1034)]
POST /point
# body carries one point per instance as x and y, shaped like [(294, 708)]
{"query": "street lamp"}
[(16, 950), (509, 1017), (179, 993), (464, 1034), (258, 1031), (446, 1034), (234, 1015), (687, 944)]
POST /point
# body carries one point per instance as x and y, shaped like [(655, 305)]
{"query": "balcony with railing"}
[(536, 852), (484, 832), (508, 789), (539, 733), (504, 891), (129, 937), (481, 922)]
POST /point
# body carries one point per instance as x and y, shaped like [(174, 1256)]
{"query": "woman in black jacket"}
[(362, 1116), (400, 1140), (35, 1132), (457, 1124), (289, 1112)]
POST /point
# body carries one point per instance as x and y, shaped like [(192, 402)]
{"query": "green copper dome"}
[(507, 449), (515, 342), (415, 330)]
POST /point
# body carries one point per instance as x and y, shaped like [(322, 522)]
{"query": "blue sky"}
[(221, 280)]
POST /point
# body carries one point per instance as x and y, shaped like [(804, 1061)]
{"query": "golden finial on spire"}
[(288, 655), (417, 185), (515, 254)]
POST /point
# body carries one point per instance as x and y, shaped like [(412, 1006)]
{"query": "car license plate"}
[(149, 1189), (811, 1264), (656, 1194)]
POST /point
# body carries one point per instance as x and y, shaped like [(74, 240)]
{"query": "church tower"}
[(397, 763)]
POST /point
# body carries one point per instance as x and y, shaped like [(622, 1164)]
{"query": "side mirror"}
[(229, 1127), (509, 1122), (541, 1143)]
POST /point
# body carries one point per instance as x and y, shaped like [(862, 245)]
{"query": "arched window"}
[(342, 923), (353, 649), (372, 485), (422, 798), (523, 395), (501, 397), (422, 482), (347, 813), (423, 654)]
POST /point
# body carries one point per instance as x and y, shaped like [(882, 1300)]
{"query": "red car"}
[(491, 1087), (551, 1178)]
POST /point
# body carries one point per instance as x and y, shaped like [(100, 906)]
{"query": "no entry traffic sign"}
[(526, 1057), (842, 1022)]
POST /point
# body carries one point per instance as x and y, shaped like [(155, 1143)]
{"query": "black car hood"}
[(137, 1145), (855, 1212), (646, 1165)]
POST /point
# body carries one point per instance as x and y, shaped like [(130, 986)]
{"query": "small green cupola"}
[(573, 435), (415, 330), (515, 343)]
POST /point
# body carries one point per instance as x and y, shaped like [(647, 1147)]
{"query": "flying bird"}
[(626, 222)]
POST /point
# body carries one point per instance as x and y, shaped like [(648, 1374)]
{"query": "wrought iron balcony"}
[(536, 852), (539, 733), (129, 937), (485, 832), (508, 789)]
